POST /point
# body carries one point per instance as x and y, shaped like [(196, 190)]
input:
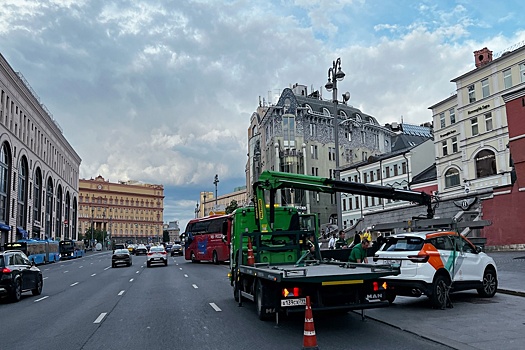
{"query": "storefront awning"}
[(22, 231), (4, 227)]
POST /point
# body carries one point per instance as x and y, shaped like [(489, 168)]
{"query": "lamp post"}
[(92, 212), (103, 229), (215, 182), (335, 74)]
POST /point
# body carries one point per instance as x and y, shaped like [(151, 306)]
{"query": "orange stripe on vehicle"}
[(434, 257)]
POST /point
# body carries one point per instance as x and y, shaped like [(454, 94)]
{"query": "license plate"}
[(293, 302), (393, 262)]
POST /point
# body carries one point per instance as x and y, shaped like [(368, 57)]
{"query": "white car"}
[(157, 255), (436, 263)]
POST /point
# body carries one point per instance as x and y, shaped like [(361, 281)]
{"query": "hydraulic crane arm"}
[(272, 181)]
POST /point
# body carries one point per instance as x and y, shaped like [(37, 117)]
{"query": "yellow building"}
[(127, 211)]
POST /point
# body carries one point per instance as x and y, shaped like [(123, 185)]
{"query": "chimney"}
[(482, 57)]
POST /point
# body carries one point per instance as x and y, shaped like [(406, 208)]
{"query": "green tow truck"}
[(270, 262)]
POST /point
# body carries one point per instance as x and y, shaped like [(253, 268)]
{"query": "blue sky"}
[(162, 91)]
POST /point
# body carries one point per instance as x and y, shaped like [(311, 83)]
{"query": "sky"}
[(162, 91)]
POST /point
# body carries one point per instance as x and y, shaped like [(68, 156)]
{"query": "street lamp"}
[(92, 212), (335, 74), (215, 182)]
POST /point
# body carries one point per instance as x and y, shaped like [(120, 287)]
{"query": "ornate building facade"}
[(127, 211), (39, 169)]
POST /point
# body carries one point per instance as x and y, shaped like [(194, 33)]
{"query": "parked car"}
[(18, 275), (121, 256), (141, 249), (131, 248), (436, 264), (176, 249), (157, 255)]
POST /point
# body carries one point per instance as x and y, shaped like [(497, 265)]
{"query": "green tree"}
[(231, 207)]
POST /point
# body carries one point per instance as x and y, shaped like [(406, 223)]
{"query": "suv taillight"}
[(420, 258), (6, 270)]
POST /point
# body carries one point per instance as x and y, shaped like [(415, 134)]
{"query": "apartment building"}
[(39, 169)]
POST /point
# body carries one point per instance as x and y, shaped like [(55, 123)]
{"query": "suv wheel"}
[(17, 291), (38, 287), (490, 284), (440, 292)]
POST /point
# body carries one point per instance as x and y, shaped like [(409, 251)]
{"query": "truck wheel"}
[(192, 258), (264, 310), (490, 284), (390, 296), (235, 287)]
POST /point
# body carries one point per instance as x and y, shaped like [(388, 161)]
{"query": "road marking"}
[(195, 286), (131, 280), (80, 266), (74, 284), (107, 268), (100, 317), (93, 274), (45, 278), (215, 307), (66, 271), (121, 292), (137, 272), (185, 275), (180, 268), (47, 296)]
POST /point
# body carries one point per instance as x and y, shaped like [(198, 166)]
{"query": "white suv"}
[(157, 255), (435, 263)]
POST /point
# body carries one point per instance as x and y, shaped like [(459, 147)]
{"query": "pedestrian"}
[(331, 242), (366, 235), (341, 242), (357, 239), (359, 252)]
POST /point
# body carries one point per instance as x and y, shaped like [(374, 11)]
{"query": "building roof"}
[(429, 174)]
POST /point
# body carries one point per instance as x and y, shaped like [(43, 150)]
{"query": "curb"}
[(511, 292)]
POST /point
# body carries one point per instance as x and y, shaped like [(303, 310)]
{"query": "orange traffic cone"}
[(251, 258), (309, 338)]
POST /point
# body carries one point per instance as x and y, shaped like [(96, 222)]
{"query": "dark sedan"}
[(18, 275), (141, 249), (121, 257), (176, 249)]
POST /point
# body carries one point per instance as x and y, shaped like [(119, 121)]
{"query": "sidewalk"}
[(472, 322)]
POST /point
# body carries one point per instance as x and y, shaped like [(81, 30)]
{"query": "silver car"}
[(157, 255)]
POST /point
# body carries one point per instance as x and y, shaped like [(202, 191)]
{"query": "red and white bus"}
[(208, 239)]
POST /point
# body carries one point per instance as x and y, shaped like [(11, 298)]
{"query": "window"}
[(331, 153), (5, 161), (387, 169), (507, 78), (395, 170), (485, 88), (444, 148), (404, 167), (313, 129), (442, 119), (452, 113), (488, 121), (474, 126), (313, 151), (289, 130), (485, 164), (454, 144), (471, 94), (522, 72), (452, 178)]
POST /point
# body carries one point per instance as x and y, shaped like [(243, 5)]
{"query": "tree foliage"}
[(231, 207)]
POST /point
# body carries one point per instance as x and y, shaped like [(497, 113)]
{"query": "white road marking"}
[(180, 268), (107, 268), (45, 278), (137, 272), (74, 284), (93, 274), (66, 271), (80, 266), (100, 317), (42, 298), (215, 307), (185, 275), (195, 286), (121, 292), (131, 280)]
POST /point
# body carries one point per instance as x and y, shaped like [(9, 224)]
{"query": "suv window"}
[(403, 244), (442, 243), (2, 261), (17, 259)]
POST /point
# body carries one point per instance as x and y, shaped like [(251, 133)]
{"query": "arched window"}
[(49, 208), (452, 178), (5, 160), (485, 164), (37, 202), (22, 194)]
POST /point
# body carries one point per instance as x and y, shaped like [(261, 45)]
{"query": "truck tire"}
[(263, 301)]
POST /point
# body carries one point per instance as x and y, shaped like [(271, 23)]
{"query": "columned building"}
[(127, 211), (39, 169)]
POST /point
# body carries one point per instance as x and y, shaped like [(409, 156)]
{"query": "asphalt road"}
[(86, 304)]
